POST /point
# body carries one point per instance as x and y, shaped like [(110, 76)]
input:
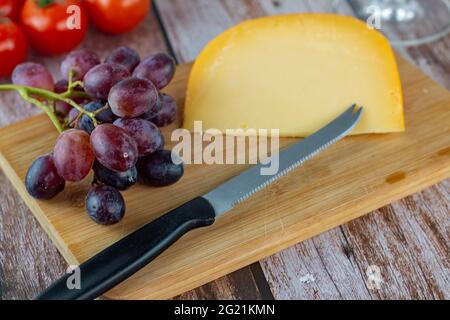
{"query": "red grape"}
[(133, 97), (33, 75), (105, 116), (153, 112), (158, 169), (61, 86), (125, 56), (159, 69), (79, 62), (168, 112), (114, 148), (118, 180), (73, 114), (86, 124), (73, 155), (100, 79), (105, 205), (147, 136), (62, 109), (42, 180)]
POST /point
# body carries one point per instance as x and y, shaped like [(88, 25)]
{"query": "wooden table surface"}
[(408, 241)]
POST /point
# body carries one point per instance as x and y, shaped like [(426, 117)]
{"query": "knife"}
[(127, 256)]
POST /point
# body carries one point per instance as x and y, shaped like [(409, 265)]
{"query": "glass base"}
[(405, 22)]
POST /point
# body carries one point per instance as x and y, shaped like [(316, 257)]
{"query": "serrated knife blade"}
[(240, 188), (127, 256)]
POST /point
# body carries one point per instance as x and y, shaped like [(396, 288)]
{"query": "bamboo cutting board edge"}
[(318, 224)]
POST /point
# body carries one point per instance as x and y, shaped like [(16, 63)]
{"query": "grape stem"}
[(106, 107), (50, 113), (28, 94)]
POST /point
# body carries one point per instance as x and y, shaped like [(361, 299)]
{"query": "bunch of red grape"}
[(118, 135)]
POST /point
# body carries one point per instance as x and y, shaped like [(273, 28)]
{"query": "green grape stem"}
[(29, 93)]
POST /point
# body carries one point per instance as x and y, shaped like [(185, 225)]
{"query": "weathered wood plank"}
[(28, 260), (407, 241), (433, 59), (319, 268), (334, 264)]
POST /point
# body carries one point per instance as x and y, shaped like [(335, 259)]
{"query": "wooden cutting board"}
[(352, 178)]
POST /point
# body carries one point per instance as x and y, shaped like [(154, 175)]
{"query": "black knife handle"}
[(124, 258)]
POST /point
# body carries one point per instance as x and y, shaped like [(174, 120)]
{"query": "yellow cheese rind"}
[(295, 73)]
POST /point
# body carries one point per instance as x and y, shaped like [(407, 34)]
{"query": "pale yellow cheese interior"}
[(295, 73)]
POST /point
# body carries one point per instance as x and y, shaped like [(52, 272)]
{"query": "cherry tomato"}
[(10, 8), (117, 16), (13, 46), (54, 26)]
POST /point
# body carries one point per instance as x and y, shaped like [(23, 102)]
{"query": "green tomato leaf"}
[(44, 3)]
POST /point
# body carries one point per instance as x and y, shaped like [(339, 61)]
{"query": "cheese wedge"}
[(295, 73)]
